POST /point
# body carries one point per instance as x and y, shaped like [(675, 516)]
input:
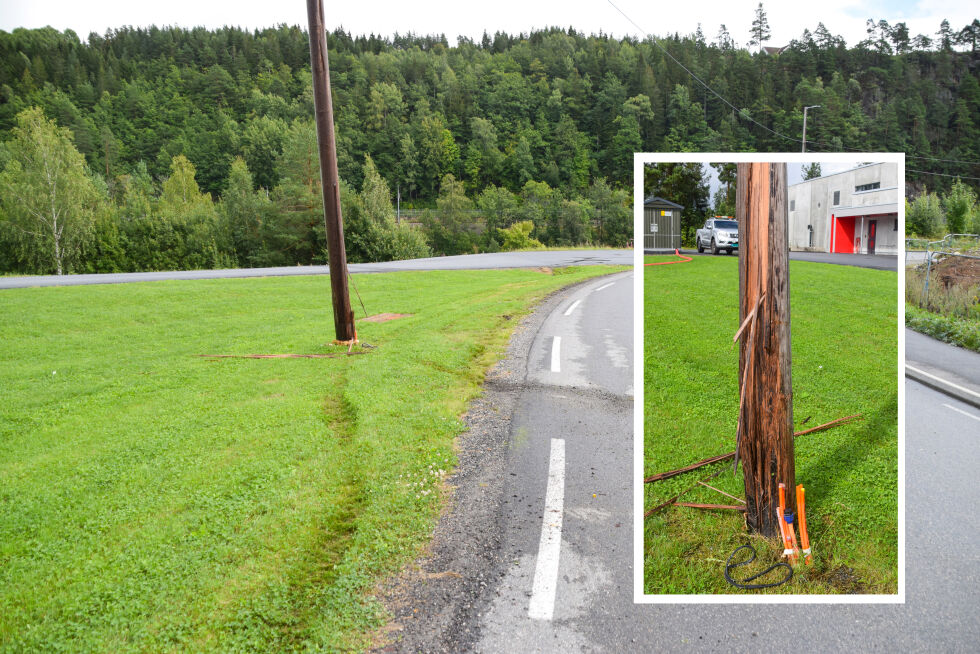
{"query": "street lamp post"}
[(805, 109)]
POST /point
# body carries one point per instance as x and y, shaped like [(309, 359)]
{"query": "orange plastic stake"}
[(804, 538), (790, 550), (784, 534), (792, 536)]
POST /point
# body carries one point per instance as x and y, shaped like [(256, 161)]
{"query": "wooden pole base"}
[(765, 433)]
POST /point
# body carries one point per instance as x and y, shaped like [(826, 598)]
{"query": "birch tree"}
[(48, 197)]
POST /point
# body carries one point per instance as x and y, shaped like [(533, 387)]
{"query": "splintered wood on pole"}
[(765, 423), (343, 317)]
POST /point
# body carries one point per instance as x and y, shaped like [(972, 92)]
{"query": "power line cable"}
[(745, 116), (656, 42), (926, 172), (916, 156)]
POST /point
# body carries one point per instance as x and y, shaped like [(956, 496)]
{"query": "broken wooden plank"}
[(718, 490), (722, 457)]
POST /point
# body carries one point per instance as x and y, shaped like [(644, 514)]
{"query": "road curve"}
[(539, 536), (532, 259), (553, 584), (496, 604)]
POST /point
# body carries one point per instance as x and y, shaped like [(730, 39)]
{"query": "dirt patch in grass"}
[(957, 271), (385, 317), (843, 580)]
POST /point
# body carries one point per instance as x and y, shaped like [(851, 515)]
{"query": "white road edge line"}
[(569, 310), (944, 381), (542, 605), (556, 354), (968, 415), (604, 286)]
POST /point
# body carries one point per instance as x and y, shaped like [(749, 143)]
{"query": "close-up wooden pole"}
[(343, 317), (765, 444)]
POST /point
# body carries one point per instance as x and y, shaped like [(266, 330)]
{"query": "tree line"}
[(552, 114), (932, 215), (59, 216)]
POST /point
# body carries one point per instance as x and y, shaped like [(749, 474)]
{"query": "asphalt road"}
[(539, 537), (585, 404), (553, 589), (536, 259), (877, 261), (944, 367)]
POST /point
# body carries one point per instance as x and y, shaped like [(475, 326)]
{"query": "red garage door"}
[(844, 235)]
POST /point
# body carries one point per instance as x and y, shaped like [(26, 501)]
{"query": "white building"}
[(853, 212)]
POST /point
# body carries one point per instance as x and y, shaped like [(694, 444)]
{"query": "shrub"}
[(518, 237)]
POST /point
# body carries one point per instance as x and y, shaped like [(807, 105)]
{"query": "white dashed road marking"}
[(556, 354), (569, 310), (542, 605)]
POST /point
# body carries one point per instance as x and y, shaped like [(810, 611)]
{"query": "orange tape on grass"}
[(683, 259)]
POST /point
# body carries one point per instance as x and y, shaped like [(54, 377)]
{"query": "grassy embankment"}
[(151, 500), (844, 325), (950, 311)]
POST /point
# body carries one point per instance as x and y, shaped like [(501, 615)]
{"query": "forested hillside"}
[(536, 127)]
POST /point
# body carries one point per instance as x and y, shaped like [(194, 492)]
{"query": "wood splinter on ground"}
[(722, 457)]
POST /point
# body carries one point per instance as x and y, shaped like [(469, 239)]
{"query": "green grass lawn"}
[(844, 358), (151, 500)]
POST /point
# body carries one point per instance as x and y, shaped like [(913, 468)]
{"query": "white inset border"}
[(639, 159)]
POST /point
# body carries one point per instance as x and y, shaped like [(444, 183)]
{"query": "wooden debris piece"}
[(722, 457)]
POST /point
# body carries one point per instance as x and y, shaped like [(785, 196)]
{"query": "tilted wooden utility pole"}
[(765, 431), (343, 317)]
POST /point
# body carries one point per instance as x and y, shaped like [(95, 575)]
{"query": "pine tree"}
[(724, 39), (760, 28), (946, 36)]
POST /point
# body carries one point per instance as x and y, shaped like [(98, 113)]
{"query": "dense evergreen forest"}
[(196, 148)]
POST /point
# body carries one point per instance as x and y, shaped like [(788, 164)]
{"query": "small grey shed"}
[(661, 224)]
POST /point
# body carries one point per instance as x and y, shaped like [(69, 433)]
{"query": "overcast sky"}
[(794, 173), (787, 20)]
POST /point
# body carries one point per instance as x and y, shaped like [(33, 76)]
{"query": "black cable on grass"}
[(744, 583), (350, 279)]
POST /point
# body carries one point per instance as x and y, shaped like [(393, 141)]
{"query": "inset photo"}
[(771, 456)]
